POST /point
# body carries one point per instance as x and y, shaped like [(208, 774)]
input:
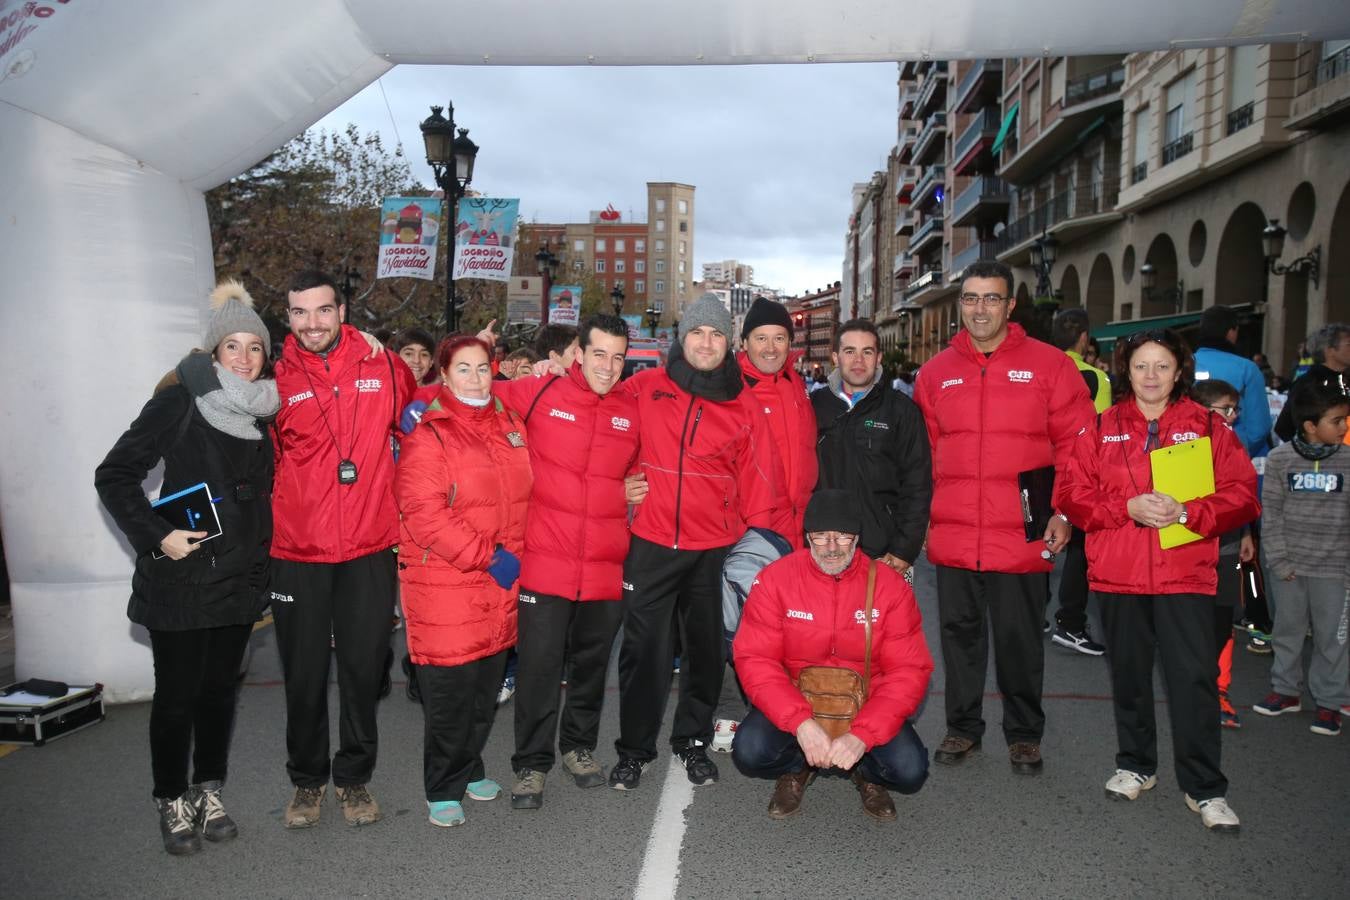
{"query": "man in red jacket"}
[(766, 339), (705, 458), (583, 441), (333, 577), (997, 404), (807, 609)]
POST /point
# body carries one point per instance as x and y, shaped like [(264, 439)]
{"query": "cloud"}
[(772, 150)]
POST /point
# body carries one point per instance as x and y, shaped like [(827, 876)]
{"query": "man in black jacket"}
[(873, 443), (1330, 343)]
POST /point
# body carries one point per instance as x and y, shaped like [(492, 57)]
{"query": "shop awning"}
[(1008, 118), (1107, 334)]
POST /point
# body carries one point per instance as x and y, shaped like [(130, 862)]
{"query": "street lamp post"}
[(653, 319), (1043, 254), (451, 159), (1272, 244), (1148, 280), (617, 297), (546, 264)]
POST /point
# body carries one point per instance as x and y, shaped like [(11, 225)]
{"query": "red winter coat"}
[(581, 447), (463, 485), (990, 418), (792, 425), (315, 518), (707, 464), (1108, 466), (797, 616)]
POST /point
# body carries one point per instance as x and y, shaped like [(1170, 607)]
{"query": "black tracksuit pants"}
[(970, 605), (553, 632), (1181, 627), (459, 704), (196, 686), (1073, 585), (351, 605), (659, 581)]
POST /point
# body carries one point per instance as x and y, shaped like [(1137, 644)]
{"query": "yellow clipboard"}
[(1182, 472)]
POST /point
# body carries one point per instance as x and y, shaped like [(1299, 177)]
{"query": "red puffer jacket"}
[(463, 484), (707, 463), (990, 418), (792, 424), (1108, 466), (354, 417), (581, 447), (797, 616)]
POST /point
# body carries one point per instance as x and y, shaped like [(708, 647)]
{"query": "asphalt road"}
[(76, 818)]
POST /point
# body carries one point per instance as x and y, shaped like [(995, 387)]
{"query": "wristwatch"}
[(1181, 519)]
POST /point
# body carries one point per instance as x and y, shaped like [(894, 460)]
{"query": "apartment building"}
[(815, 316), (651, 262), (729, 271)]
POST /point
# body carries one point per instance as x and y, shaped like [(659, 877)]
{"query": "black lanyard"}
[(324, 416)]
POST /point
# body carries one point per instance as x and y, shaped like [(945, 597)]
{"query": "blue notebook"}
[(192, 509)]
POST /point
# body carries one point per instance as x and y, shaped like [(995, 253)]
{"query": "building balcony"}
[(932, 90), (908, 95), (926, 286), (983, 202), (1241, 117), (973, 152), (904, 220), (903, 265), (975, 252), (1175, 150), (980, 86), (928, 145), (927, 234), (907, 177), (1139, 173), (1328, 101), (933, 178), (1089, 100), (908, 134), (1068, 216)]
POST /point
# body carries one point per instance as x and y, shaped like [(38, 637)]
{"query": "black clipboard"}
[(1036, 492)]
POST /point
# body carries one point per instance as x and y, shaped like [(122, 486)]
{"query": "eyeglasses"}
[(986, 299), (822, 539), (1157, 335), (1228, 412)]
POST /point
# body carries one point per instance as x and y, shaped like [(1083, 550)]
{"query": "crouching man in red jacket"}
[(806, 609)]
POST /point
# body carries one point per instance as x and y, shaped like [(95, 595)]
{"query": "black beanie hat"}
[(832, 510), (766, 312)]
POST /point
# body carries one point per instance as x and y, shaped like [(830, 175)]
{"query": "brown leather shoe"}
[(787, 793), (954, 749), (876, 800), (1025, 757)]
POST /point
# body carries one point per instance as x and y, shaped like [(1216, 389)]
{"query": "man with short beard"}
[(704, 457), (873, 444), (808, 609)]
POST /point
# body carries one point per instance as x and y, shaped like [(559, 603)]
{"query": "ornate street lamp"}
[(451, 159), (546, 264), (1148, 280), (653, 319), (1272, 243), (616, 297), (1043, 254)]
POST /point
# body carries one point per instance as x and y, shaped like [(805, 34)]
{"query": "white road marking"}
[(661, 862)]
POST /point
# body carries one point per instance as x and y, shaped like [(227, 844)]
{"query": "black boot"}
[(214, 823), (178, 825)]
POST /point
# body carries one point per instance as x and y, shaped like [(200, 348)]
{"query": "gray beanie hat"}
[(232, 313), (706, 310)]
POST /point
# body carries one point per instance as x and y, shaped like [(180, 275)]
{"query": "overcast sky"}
[(773, 150)]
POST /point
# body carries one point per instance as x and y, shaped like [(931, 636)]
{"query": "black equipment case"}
[(30, 721)]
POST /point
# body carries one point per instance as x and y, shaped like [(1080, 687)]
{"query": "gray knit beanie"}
[(706, 310), (232, 313)]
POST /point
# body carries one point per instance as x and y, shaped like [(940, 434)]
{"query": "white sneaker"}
[(1127, 785), (724, 732), (1216, 814)]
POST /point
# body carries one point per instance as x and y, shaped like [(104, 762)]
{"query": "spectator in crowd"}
[(808, 609), (904, 382), (1307, 541), (558, 344), (766, 341), (1263, 365), (1155, 600), (1331, 345), (332, 575), (583, 441), (1217, 357), (998, 403), (459, 560), (873, 444), (1069, 332), (416, 348), (705, 466), (198, 598), (518, 364)]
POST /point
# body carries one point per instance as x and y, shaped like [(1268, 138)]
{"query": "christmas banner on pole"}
[(483, 238), (409, 227)]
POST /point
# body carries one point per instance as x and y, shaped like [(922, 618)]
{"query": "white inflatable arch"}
[(115, 117)]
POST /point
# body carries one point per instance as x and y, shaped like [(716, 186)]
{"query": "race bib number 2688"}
[(1317, 482)]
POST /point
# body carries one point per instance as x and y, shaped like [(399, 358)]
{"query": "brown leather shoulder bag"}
[(837, 693)]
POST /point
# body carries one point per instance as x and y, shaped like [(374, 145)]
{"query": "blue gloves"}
[(412, 414), (504, 568)]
